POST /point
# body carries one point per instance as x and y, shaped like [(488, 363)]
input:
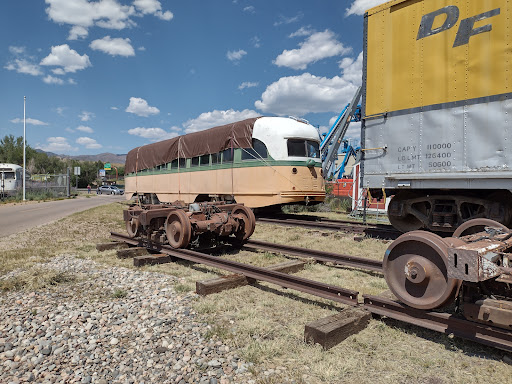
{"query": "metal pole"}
[(67, 184), (24, 132)]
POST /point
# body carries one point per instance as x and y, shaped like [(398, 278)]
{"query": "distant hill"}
[(103, 157)]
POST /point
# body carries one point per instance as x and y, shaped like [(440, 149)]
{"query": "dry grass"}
[(266, 323), (36, 278)]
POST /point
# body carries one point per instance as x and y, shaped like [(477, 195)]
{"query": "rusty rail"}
[(325, 257), (440, 322), (340, 295), (378, 231)]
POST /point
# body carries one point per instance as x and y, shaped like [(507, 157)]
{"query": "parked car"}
[(110, 189)]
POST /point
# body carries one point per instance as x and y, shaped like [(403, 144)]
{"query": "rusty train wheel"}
[(133, 227), (405, 210), (178, 229), (415, 270), (247, 216), (477, 225)]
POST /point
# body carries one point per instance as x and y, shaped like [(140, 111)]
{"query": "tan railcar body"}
[(253, 186)]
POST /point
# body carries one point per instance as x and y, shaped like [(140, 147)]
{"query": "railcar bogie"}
[(425, 271), (196, 225)]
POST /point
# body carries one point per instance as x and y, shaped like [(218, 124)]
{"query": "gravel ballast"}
[(111, 325)]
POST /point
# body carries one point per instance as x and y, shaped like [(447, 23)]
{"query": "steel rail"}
[(376, 231), (440, 322), (339, 259), (338, 294)]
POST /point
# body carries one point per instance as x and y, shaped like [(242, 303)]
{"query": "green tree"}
[(11, 150)]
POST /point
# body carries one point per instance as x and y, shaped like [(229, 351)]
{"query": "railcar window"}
[(227, 156), (296, 148), (313, 149), (205, 160), (258, 151), (194, 162), (9, 175), (215, 158)]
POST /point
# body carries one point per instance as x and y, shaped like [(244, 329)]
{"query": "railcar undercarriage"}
[(197, 225), (440, 211), (474, 267)]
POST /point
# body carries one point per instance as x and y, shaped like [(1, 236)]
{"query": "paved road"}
[(19, 217)]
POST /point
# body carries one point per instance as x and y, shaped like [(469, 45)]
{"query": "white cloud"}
[(29, 121), (113, 47), (83, 128), (88, 142), (78, 32), (60, 110), (299, 95), (248, 84), (17, 50), (302, 31), (154, 134), (58, 71), (22, 62), (250, 9), (53, 80), (56, 144), (288, 20), (236, 56), (86, 116), (108, 14), (352, 69), (103, 13), (256, 42), (24, 66), (318, 46), (67, 58), (153, 7), (141, 107), (359, 7), (215, 118), (114, 108)]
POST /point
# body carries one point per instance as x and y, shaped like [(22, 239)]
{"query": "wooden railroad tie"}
[(131, 252), (161, 258), (207, 287), (111, 245), (332, 330)]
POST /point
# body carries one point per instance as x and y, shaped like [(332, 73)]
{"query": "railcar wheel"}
[(133, 227), (178, 229), (415, 269), (405, 211), (477, 225), (249, 221)]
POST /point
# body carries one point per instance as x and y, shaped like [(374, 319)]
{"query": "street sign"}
[(77, 171), (107, 167)]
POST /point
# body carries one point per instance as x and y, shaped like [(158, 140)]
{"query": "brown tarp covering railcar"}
[(213, 140)]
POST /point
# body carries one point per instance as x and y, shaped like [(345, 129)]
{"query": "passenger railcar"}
[(437, 103), (258, 162), (11, 179)]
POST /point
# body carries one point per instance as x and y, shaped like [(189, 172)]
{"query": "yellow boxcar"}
[(437, 106)]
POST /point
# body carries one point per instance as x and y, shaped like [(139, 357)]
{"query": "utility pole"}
[(24, 143)]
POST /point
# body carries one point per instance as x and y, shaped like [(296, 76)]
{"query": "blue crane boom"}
[(332, 141)]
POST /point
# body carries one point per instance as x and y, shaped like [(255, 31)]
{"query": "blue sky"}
[(110, 75)]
